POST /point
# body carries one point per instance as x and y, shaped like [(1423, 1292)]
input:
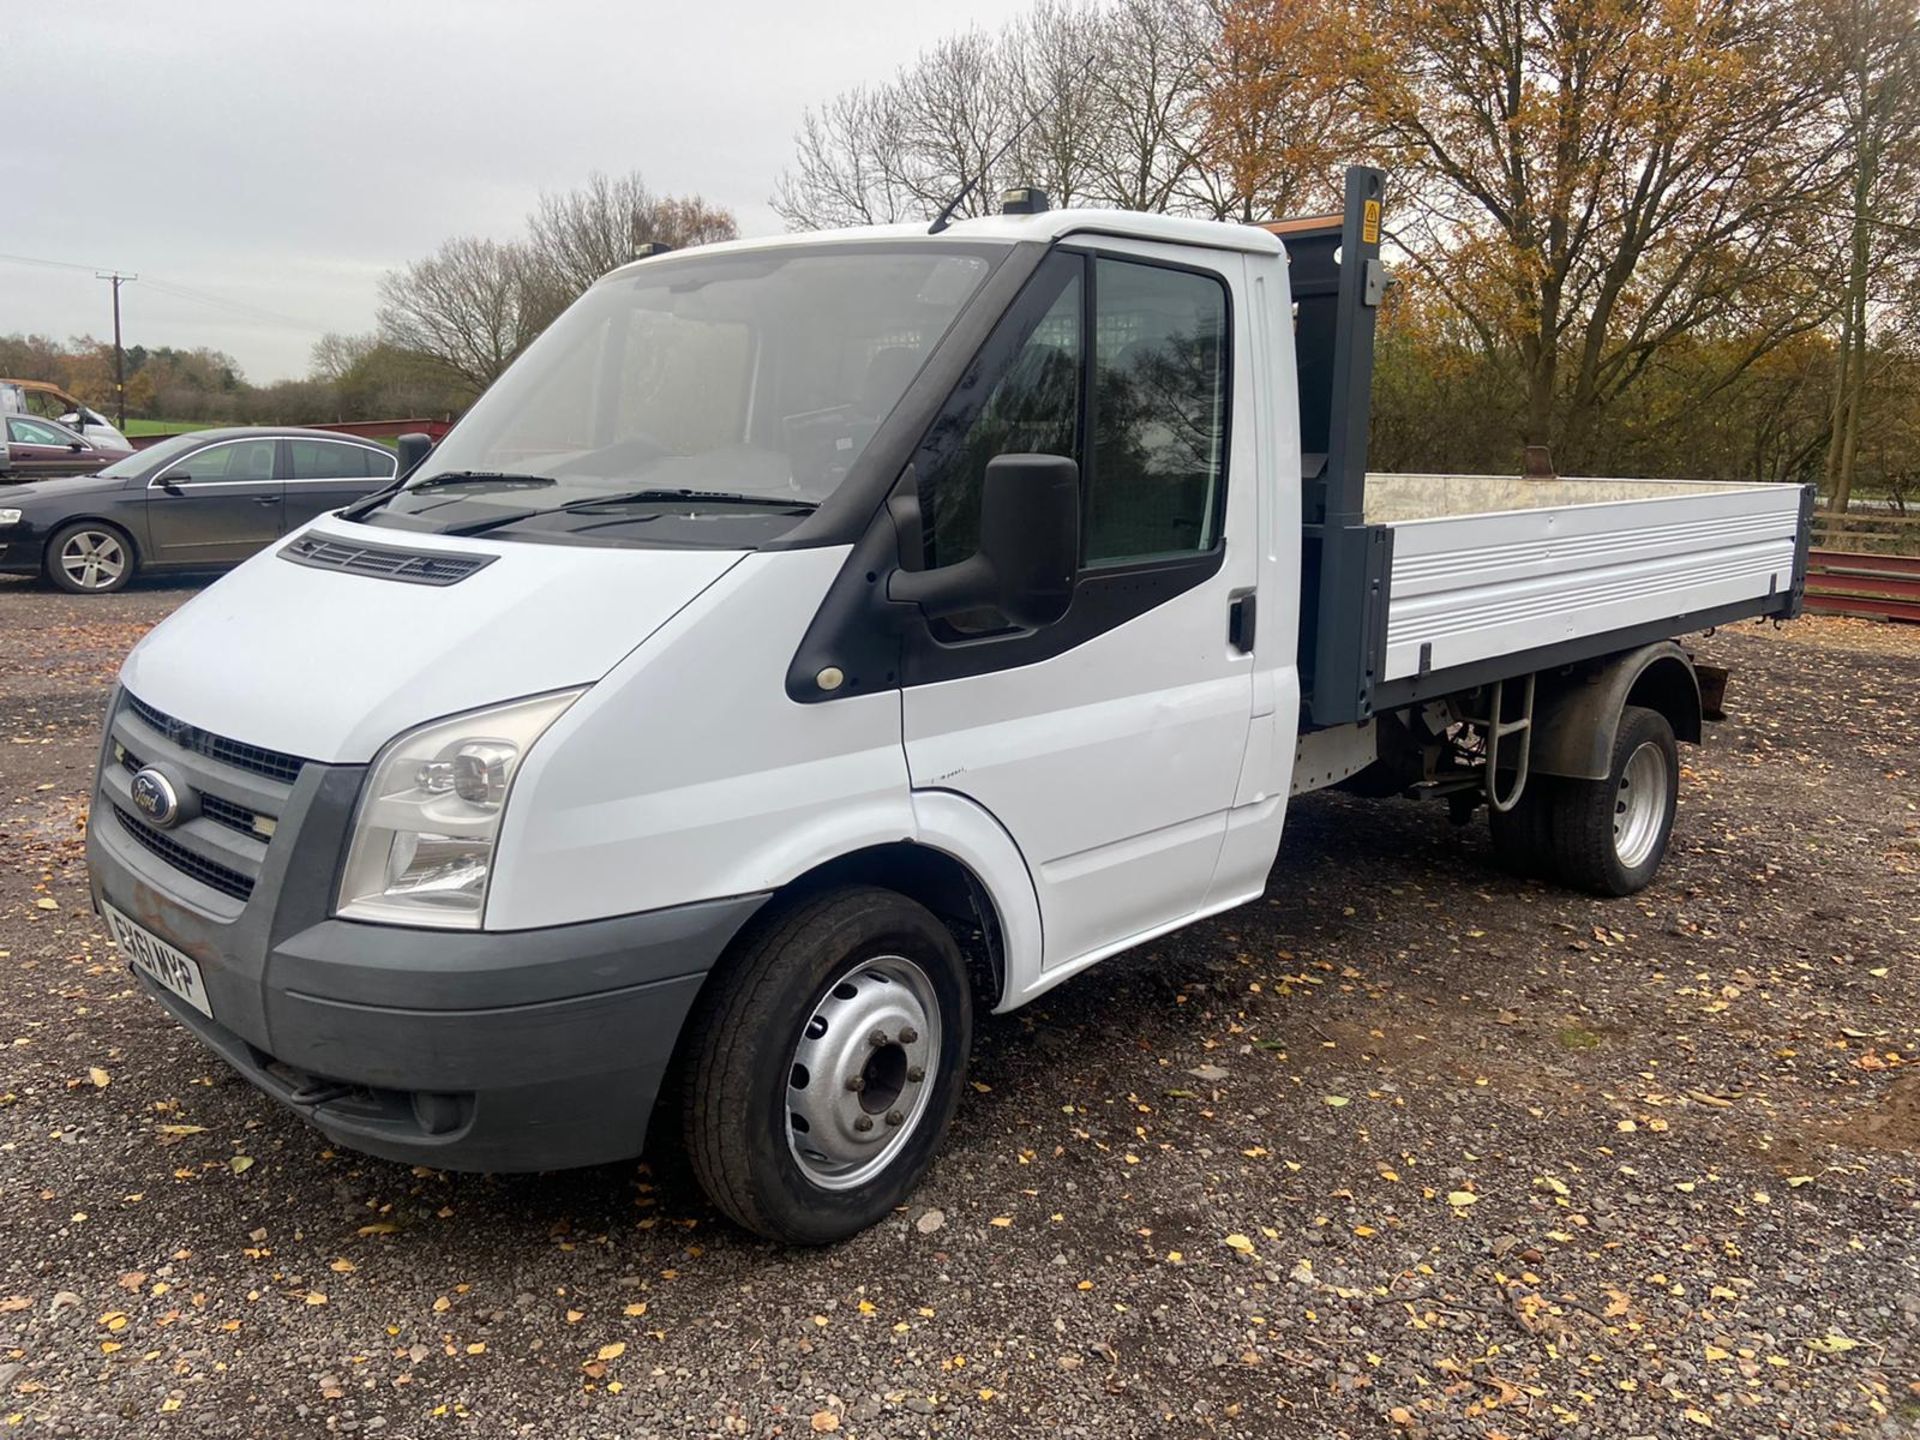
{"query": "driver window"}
[(241, 461), (1021, 395)]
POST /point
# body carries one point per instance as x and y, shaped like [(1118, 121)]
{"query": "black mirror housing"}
[(413, 447), (1029, 547)]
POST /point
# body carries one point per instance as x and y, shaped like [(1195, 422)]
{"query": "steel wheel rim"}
[(93, 559), (1640, 805), (861, 1077)]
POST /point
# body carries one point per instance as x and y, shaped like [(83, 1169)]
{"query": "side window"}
[(241, 461), (1021, 395), (32, 432), (1159, 414), (328, 460), (382, 464)]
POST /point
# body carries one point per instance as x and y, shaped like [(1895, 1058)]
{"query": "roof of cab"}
[(1046, 227)]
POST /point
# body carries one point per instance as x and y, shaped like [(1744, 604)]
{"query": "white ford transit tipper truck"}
[(811, 640)]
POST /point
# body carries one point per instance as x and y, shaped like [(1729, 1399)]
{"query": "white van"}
[(811, 641)]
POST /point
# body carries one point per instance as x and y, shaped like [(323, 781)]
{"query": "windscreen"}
[(720, 379)]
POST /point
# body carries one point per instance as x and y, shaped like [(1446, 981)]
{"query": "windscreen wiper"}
[(447, 479), (703, 497)]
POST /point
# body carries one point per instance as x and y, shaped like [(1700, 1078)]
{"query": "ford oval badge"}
[(154, 798)]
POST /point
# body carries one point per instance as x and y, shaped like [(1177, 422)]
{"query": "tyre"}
[(824, 1062), (1610, 835), (90, 557), (1523, 836)]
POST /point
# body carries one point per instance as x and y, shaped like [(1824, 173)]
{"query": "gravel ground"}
[(1407, 1149)]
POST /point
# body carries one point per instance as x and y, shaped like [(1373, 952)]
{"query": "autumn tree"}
[(1278, 109), (1590, 181)]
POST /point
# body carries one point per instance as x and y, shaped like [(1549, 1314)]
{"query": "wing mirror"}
[(76, 446), (1029, 547), (413, 447)]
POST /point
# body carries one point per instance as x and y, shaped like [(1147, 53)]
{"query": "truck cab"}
[(809, 641)]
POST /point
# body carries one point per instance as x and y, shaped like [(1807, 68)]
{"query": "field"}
[(1409, 1149), (137, 428)]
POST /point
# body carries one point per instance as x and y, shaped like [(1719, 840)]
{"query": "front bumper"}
[(462, 1050)]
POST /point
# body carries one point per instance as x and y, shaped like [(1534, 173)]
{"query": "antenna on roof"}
[(945, 217)]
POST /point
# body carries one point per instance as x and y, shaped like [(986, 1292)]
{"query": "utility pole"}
[(119, 354)]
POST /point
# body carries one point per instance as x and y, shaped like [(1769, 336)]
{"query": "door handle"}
[(266, 499), (1241, 614)]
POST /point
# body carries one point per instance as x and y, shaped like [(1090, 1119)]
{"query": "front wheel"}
[(90, 558), (1610, 835), (826, 1058)]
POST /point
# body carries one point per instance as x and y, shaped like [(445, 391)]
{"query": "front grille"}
[(224, 812), (270, 763), (234, 817), (219, 877), (414, 567)]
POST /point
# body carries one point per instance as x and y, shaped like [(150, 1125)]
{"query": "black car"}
[(202, 501)]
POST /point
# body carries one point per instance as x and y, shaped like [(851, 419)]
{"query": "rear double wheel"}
[(1607, 836), (825, 1060)]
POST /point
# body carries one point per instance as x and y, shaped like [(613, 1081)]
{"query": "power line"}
[(180, 292)]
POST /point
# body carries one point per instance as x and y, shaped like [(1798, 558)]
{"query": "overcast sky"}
[(277, 157)]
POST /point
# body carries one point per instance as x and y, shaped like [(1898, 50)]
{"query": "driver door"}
[(217, 505), (1109, 745)]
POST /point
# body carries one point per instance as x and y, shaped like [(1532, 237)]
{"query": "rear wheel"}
[(90, 557), (825, 1062), (1523, 836), (1610, 835)]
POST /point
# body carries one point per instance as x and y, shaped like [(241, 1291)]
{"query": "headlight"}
[(423, 837), (9, 517)]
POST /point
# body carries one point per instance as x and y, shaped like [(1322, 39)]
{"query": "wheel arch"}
[(932, 877), (1576, 716)]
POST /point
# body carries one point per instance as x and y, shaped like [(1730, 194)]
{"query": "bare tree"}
[(467, 306), (1151, 90), (1875, 46), (575, 238), (1056, 58), (851, 164), (335, 355)]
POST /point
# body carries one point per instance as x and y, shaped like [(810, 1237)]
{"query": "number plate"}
[(158, 961)]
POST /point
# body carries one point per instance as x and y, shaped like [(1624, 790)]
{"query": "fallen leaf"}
[(342, 1266), (1240, 1243), (241, 1164), (1001, 1221), (1833, 1344), (613, 1351), (99, 1077), (47, 904), (315, 1297), (379, 1227), (1796, 1181), (1460, 1199), (13, 1303), (931, 1221), (824, 1422), (1335, 1100)]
